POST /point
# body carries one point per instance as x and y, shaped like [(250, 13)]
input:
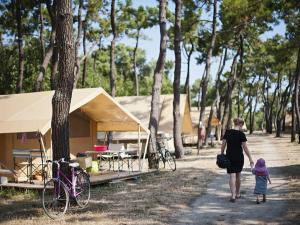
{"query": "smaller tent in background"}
[(195, 114), (288, 122), (140, 106)]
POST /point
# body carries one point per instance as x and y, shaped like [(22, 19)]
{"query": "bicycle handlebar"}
[(62, 160)]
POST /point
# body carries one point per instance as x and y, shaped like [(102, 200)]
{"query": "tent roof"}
[(288, 119), (195, 113), (31, 112), (140, 106)]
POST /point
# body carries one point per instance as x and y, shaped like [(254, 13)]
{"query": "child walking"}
[(261, 178)]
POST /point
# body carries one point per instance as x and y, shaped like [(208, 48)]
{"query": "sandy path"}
[(214, 207)]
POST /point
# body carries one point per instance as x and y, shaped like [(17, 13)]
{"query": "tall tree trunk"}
[(215, 103), (296, 91), (49, 54), (53, 41), (134, 62), (293, 127), (250, 96), (41, 18), (45, 63), (240, 72), (84, 53), (157, 83), (208, 64), (251, 112), (94, 70), (77, 45), (199, 92), (239, 100), (235, 76), (187, 89), (283, 100), (62, 97), (112, 73), (19, 87), (230, 86), (253, 116), (179, 150), (269, 104), (54, 66), (207, 69)]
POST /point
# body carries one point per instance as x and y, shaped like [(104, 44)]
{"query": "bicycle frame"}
[(70, 184)]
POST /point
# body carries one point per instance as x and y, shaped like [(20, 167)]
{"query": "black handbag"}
[(222, 161)]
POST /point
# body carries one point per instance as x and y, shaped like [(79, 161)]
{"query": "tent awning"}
[(32, 112)]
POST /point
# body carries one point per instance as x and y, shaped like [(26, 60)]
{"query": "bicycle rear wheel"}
[(55, 198), (82, 187), (171, 160)]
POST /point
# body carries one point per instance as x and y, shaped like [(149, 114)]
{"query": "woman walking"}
[(235, 140)]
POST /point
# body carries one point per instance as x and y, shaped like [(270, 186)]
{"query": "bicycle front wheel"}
[(55, 198), (82, 187), (171, 160)]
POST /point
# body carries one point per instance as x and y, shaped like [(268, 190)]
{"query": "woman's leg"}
[(232, 183), (257, 199), (238, 184)]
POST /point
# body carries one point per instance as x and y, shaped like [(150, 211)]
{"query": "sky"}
[(151, 46)]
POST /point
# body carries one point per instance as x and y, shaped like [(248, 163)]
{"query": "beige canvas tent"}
[(140, 106), (23, 116), (288, 122), (195, 113)]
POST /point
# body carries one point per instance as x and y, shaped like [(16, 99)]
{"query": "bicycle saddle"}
[(74, 164)]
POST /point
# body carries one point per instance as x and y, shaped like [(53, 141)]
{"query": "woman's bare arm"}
[(246, 150), (223, 146)]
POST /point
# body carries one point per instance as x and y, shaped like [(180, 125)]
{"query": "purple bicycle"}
[(58, 191)]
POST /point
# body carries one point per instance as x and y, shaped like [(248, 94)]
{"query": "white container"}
[(3, 180), (84, 162)]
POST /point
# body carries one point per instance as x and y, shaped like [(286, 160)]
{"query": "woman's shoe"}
[(238, 196), (232, 200), (257, 202)]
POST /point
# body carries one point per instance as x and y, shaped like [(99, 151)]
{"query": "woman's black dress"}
[(234, 150)]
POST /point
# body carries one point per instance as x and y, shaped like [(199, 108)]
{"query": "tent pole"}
[(139, 146), (42, 146), (145, 150)]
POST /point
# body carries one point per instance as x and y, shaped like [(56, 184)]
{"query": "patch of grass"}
[(10, 193)]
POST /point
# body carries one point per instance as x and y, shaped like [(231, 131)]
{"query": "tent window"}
[(27, 135), (79, 126)]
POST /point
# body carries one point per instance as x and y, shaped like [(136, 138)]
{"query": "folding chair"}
[(134, 152), (24, 166)]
